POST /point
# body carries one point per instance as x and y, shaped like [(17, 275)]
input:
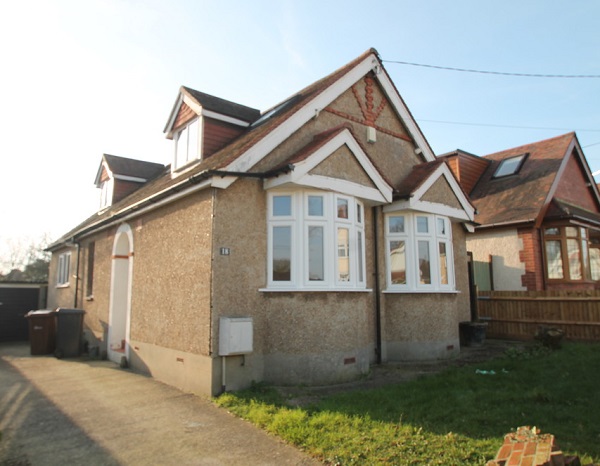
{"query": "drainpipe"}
[(377, 288), (541, 250)]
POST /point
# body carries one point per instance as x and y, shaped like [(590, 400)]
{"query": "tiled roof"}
[(222, 106), (520, 197), (561, 210), (162, 185), (131, 167), (419, 174)]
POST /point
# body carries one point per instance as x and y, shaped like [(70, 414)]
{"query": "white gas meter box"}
[(235, 336)]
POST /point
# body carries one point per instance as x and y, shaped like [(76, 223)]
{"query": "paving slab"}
[(79, 411)]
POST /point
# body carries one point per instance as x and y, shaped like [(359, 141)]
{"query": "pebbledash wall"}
[(508, 270), (181, 285)]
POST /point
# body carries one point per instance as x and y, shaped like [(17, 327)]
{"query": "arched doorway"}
[(120, 295)]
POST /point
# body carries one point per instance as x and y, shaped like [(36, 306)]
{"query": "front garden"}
[(459, 416)]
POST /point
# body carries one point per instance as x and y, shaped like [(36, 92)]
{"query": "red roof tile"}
[(519, 198), (229, 153), (419, 174)]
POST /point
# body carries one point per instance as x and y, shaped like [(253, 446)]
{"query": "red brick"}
[(527, 461), (530, 448), (515, 459), (504, 452)]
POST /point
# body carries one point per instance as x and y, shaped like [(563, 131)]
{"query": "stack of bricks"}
[(527, 447)]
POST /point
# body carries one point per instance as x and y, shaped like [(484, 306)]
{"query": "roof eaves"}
[(554, 186)]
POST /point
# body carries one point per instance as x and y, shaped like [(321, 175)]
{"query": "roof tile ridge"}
[(529, 145)]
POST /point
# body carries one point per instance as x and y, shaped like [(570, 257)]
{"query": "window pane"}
[(443, 264), (509, 166), (343, 246), (585, 255), (342, 208), (282, 206), (571, 232), (361, 277), (595, 263), (422, 224), (192, 151), (396, 224), (90, 268), (282, 253), (358, 213), (398, 262), (315, 206), (552, 231), (441, 227), (181, 148), (424, 263), (574, 259), (316, 260), (554, 259)]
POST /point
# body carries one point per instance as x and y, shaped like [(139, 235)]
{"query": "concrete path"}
[(80, 412)]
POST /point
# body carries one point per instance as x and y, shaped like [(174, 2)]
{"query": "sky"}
[(83, 78)]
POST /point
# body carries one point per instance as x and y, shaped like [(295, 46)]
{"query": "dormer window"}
[(118, 177), (187, 144), (510, 166)]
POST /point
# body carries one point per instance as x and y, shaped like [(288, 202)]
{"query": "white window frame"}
[(106, 193), (179, 160), (63, 270), (411, 238), (300, 221)]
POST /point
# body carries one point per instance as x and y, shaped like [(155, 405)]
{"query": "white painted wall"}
[(505, 246)]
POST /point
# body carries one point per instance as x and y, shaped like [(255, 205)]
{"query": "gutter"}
[(197, 182), (505, 224)]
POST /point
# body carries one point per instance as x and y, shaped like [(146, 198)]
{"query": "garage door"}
[(16, 300)]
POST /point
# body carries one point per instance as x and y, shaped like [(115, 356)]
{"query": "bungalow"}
[(538, 216), (297, 245)]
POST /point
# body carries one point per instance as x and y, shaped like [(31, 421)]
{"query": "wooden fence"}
[(519, 314)]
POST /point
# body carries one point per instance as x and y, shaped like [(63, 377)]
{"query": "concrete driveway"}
[(76, 412)]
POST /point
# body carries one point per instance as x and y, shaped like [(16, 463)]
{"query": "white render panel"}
[(505, 246)]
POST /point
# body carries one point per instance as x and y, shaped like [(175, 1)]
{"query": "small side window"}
[(64, 269)]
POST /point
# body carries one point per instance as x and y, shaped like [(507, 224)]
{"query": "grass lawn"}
[(458, 417)]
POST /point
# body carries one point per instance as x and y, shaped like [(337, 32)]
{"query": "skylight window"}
[(510, 166), (274, 111)]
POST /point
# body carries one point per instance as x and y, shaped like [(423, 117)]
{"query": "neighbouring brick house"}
[(297, 245), (538, 215)]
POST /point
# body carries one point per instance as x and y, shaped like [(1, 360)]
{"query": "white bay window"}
[(316, 241), (419, 253)]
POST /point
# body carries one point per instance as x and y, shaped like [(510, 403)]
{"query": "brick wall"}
[(531, 256), (573, 187)]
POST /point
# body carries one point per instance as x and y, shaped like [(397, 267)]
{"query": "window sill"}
[(315, 290), (388, 291), (63, 285), (562, 281), (89, 298)]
